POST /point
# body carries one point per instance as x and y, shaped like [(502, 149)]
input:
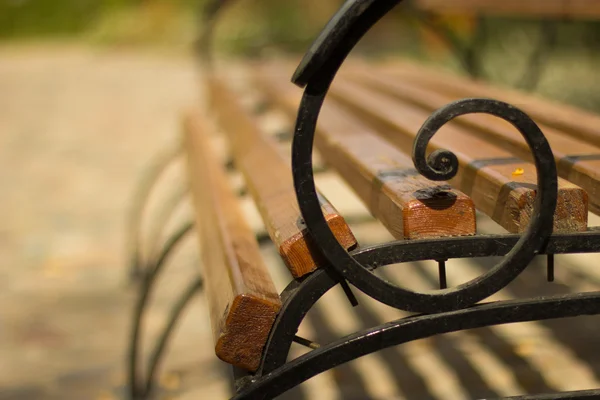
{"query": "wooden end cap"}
[(247, 327), (438, 212), (295, 251)]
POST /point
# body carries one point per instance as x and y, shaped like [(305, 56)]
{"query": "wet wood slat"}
[(242, 298)]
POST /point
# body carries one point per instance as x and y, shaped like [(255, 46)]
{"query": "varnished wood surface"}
[(409, 205), (242, 298), (577, 161), (269, 179), (501, 184), (576, 9), (571, 120)]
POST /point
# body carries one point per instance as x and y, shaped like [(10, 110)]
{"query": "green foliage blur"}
[(258, 28), (108, 20)]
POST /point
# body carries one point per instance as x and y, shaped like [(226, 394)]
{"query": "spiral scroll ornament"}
[(316, 72)]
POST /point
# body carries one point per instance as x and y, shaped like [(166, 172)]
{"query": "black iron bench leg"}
[(156, 356), (138, 205), (136, 389)]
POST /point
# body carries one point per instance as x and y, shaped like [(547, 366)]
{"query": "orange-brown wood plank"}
[(577, 161), (501, 185), (409, 205), (571, 120), (242, 298), (577, 9), (269, 179)]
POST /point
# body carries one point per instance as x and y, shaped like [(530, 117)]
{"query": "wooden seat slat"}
[(570, 120), (577, 161), (269, 179), (409, 205), (487, 172), (242, 298)]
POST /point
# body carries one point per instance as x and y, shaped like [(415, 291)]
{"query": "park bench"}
[(378, 130)]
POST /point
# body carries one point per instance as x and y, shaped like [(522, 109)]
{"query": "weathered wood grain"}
[(409, 205), (242, 298), (269, 179), (502, 185)]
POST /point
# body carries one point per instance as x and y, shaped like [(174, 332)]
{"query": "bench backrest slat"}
[(573, 121)]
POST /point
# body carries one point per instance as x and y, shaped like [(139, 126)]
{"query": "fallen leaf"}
[(518, 172)]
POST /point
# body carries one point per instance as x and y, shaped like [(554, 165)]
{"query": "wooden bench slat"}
[(577, 162), (269, 179), (409, 205), (576, 122), (242, 298), (486, 172)]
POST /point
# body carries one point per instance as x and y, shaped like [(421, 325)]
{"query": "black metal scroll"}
[(317, 71)]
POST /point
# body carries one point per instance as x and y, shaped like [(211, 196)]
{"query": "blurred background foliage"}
[(259, 28)]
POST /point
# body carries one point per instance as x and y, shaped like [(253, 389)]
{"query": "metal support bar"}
[(442, 274), (348, 291), (550, 268), (306, 343), (138, 205)]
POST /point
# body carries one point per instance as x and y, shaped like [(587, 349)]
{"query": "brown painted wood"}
[(580, 124), (577, 161), (409, 205), (500, 184), (575, 9), (269, 179), (242, 298)]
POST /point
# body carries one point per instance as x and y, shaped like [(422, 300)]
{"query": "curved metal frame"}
[(138, 387), (138, 205)]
